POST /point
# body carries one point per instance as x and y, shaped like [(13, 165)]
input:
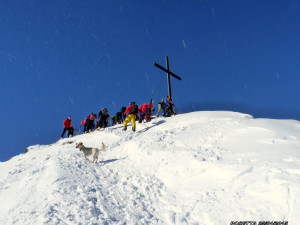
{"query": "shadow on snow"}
[(112, 160)]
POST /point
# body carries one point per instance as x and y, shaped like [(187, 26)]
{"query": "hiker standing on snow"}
[(67, 127), (119, 117), (103, 118), (131, 112)]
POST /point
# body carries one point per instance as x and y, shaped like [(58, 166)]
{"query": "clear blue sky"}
[(63, 57)]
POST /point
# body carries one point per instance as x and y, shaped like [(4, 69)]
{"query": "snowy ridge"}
[(197, 168)]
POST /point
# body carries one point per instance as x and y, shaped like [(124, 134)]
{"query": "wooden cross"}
[(167, 70)]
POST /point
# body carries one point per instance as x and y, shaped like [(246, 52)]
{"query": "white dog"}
[(90, 151)]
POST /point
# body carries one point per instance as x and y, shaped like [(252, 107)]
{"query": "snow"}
[(197, 168)]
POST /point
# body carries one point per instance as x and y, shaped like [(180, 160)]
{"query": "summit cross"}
[(169, 73)]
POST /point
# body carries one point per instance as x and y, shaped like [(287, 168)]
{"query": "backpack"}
[(135, 109), (104, 111)]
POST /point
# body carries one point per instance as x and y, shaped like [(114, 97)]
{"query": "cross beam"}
[(167, 70)]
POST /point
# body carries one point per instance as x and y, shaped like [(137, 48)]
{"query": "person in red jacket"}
[(144, 111), (149, 111), (67, 127)]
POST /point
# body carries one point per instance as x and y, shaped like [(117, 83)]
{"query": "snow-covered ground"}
[(198, 168)]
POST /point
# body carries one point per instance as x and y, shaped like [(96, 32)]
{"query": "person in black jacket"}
[(103, 118), (119, 117)]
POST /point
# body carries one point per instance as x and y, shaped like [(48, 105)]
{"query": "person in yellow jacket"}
[(131, 112)]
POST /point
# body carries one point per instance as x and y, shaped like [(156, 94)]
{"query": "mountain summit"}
[(206, 168)]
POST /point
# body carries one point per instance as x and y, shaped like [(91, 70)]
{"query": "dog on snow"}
[(90, 151)]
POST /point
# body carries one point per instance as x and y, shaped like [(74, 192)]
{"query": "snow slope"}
[(197, 168)]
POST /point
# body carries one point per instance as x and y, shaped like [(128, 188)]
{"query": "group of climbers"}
[(131, 113), (89, 123)]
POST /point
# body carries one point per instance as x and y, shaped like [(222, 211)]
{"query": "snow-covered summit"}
[(197, 168)]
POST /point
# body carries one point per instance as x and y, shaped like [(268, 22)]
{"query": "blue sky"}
[(62, 57)]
